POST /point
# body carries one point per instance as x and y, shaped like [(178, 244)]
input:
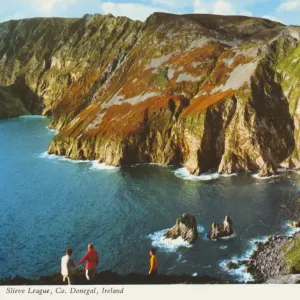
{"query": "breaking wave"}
[(62, 158), (95, 165), (185, 174), (223, 247), (228, 237), (200, 229), (32, 117), (284, 170), (101, 166), (168, 245), (289, 230), (52, 130), (241, 273), (256, 176)]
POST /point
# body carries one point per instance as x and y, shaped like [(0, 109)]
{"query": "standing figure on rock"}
[(153, 263), (67, 262), (91, 258)]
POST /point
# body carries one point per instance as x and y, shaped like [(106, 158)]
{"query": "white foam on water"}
[(95, 165), (223, 247), (289, 230), (63, 158), (151, 164), (228, 175), (33, 117), (102, 166), (52, 130), (183, 173), (205, 238), (228, 237), (256, 176), (143, 164), (195, 274), (262, 239), (207, 267), (200, 228), (283, 170), (168, 245), (179, 257), (241, 273)]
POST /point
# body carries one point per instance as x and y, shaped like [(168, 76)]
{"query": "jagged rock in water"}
[(232, 266), (267, 171), (221, 230), (185, 227)]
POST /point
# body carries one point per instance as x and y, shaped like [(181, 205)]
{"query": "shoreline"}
[(272, 261), (181, 172)]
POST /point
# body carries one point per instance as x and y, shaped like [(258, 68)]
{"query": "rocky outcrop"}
[(185, 227), (18, 99), (235, 265), (273, 260), (210, 92), (10, 104), (221, 230)]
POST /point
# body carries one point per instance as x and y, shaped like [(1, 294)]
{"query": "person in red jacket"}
[(91, 258)]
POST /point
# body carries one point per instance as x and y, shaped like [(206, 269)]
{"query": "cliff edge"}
[(210, 92)]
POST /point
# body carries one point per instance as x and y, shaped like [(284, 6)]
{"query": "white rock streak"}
[(238, 77), (187, 77)]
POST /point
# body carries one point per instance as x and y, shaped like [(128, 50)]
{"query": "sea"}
[(50, 203)]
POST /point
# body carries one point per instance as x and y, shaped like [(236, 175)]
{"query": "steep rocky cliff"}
[(206, 91)]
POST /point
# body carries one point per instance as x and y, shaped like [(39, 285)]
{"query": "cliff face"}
[(206, 91)]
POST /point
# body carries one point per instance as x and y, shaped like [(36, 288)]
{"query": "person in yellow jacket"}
[(153, 262)]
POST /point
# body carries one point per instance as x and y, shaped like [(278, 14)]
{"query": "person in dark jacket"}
[(91, 259)]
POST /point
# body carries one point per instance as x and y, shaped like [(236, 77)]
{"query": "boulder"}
[(185, 227), (221, 230), (232, 266)]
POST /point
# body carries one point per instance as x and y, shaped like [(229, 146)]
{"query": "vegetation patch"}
[(292, 257), (126, 119), (161, 79), (204, 102)]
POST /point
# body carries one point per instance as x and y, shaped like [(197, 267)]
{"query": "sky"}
[(284, 11)]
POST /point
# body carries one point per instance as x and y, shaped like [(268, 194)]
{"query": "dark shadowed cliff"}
[(203, 90)]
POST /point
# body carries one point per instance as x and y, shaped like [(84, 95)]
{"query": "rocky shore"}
[(274, 260), (108, 277)]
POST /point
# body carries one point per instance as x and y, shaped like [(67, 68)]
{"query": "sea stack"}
[(185, 227), (221, 230)]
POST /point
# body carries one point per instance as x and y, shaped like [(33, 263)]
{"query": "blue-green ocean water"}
[(48, 204)]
